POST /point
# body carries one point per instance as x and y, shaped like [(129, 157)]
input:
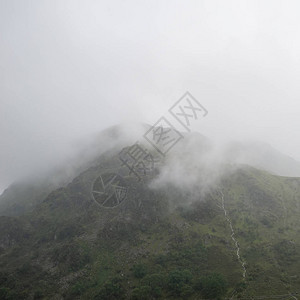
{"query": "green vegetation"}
[(149, 248), (212, 286), (139, 270), (112, 289)]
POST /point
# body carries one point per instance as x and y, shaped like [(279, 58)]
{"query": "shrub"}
[(179, 280), (154, 280), (111, 290), (212, 286), (139, 270), (141, 293)]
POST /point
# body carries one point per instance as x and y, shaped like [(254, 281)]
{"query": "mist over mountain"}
[(149, 150), (197, 224), (29, 190), (195, 162), (263, 156)]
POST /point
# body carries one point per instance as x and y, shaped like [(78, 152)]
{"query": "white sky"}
[(70, 68)]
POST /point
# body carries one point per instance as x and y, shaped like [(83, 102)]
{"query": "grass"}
[(106, 244)]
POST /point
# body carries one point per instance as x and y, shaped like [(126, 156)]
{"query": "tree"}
[(179, 280), (139, 270), (141, 293), (112, 289), (212, 286)]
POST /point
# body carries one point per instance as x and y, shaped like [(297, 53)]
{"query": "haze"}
[(70, 69)]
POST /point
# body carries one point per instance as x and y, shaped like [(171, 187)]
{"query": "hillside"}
[(262, 156), (239, 239), (23, 195)]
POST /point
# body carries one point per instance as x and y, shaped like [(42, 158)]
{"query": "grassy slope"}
[(71, 248)]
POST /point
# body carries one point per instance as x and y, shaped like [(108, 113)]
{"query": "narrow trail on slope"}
[(233, 238)]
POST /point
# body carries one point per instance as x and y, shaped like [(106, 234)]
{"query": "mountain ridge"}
[(160, 242), (22, 196)]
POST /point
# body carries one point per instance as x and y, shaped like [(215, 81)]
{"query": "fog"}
[(70, 69)]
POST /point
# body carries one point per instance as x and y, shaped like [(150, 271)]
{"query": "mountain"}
[(191, 227), (23, 195), (263, 156)]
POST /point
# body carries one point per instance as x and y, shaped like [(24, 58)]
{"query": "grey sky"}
[(71, 68)]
